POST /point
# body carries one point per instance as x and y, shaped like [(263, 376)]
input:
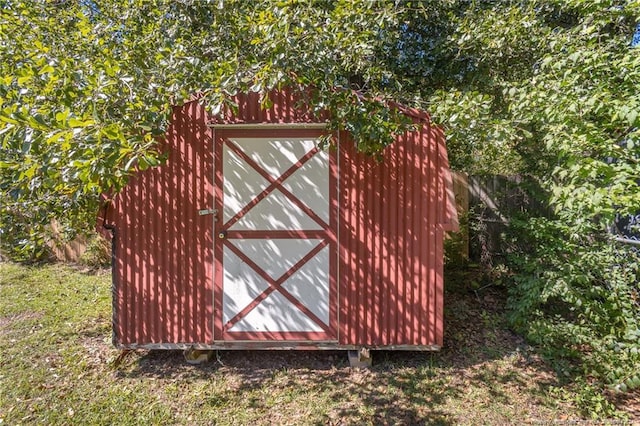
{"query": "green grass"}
[(57, 367)]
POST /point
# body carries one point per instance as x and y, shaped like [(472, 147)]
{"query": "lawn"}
[(57, 366)]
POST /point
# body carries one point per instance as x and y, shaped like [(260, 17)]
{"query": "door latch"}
[(207, 211)]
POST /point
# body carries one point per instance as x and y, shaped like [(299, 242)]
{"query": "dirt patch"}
[(629, 403), (98, 351), (8, 323)]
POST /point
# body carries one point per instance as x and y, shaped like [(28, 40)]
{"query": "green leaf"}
[(75, 123), (632, 117), (24, 79)]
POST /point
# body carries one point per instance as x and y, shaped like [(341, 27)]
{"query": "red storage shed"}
[(251, 237)]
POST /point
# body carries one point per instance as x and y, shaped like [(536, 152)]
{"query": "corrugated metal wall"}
[(163, 271), (392, 217), (286, 107)]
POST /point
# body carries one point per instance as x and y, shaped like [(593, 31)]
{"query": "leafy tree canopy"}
[(86, 86)]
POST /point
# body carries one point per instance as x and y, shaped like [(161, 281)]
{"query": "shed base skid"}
[(357, 359), (274, 345), (197, 356), (360, 359)]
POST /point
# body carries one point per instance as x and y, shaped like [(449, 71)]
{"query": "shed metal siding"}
[(163, 274), (286, 107), (392, 218)]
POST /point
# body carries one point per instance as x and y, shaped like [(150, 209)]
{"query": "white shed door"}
[(275, 236)]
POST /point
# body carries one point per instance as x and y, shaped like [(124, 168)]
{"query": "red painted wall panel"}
[(392, 218), (163, 275)]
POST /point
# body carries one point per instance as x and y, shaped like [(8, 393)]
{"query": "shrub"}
[(576, 295)]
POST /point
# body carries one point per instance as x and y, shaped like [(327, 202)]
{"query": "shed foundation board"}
[(274, 345)]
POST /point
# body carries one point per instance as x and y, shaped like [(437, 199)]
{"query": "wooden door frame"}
[(328, 234)]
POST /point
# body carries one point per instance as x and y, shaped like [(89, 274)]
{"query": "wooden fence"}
[(63, 250), (486, 204)]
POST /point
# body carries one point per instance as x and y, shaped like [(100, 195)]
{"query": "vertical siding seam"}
[(349, 238), (190, 283), (158, 311), (415, 255), (118, 282), (424, 236), (360, 285), (194, 245), (146, 299), (402, 186), (127, 282), (207, 193), (380, 282), (194, 260), (394, 203), (409, 229), (384, 243), (150, 244), (437, 282), (375, 267), (439, 236), (163, 270), (217, 247), (338, 256), (428, 246), (426, 223), (343, 297), (171, 182), (354, 235), (135, 317), (183, 220), (200, 229), (173, 292), (334, 246), (183, 291), (423, 316), (347, 243), (368, 255), (175, 226)]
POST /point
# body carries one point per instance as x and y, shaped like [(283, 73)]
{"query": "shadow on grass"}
[(402, 387)]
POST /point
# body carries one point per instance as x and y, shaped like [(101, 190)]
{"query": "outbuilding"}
[(250, 236)]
